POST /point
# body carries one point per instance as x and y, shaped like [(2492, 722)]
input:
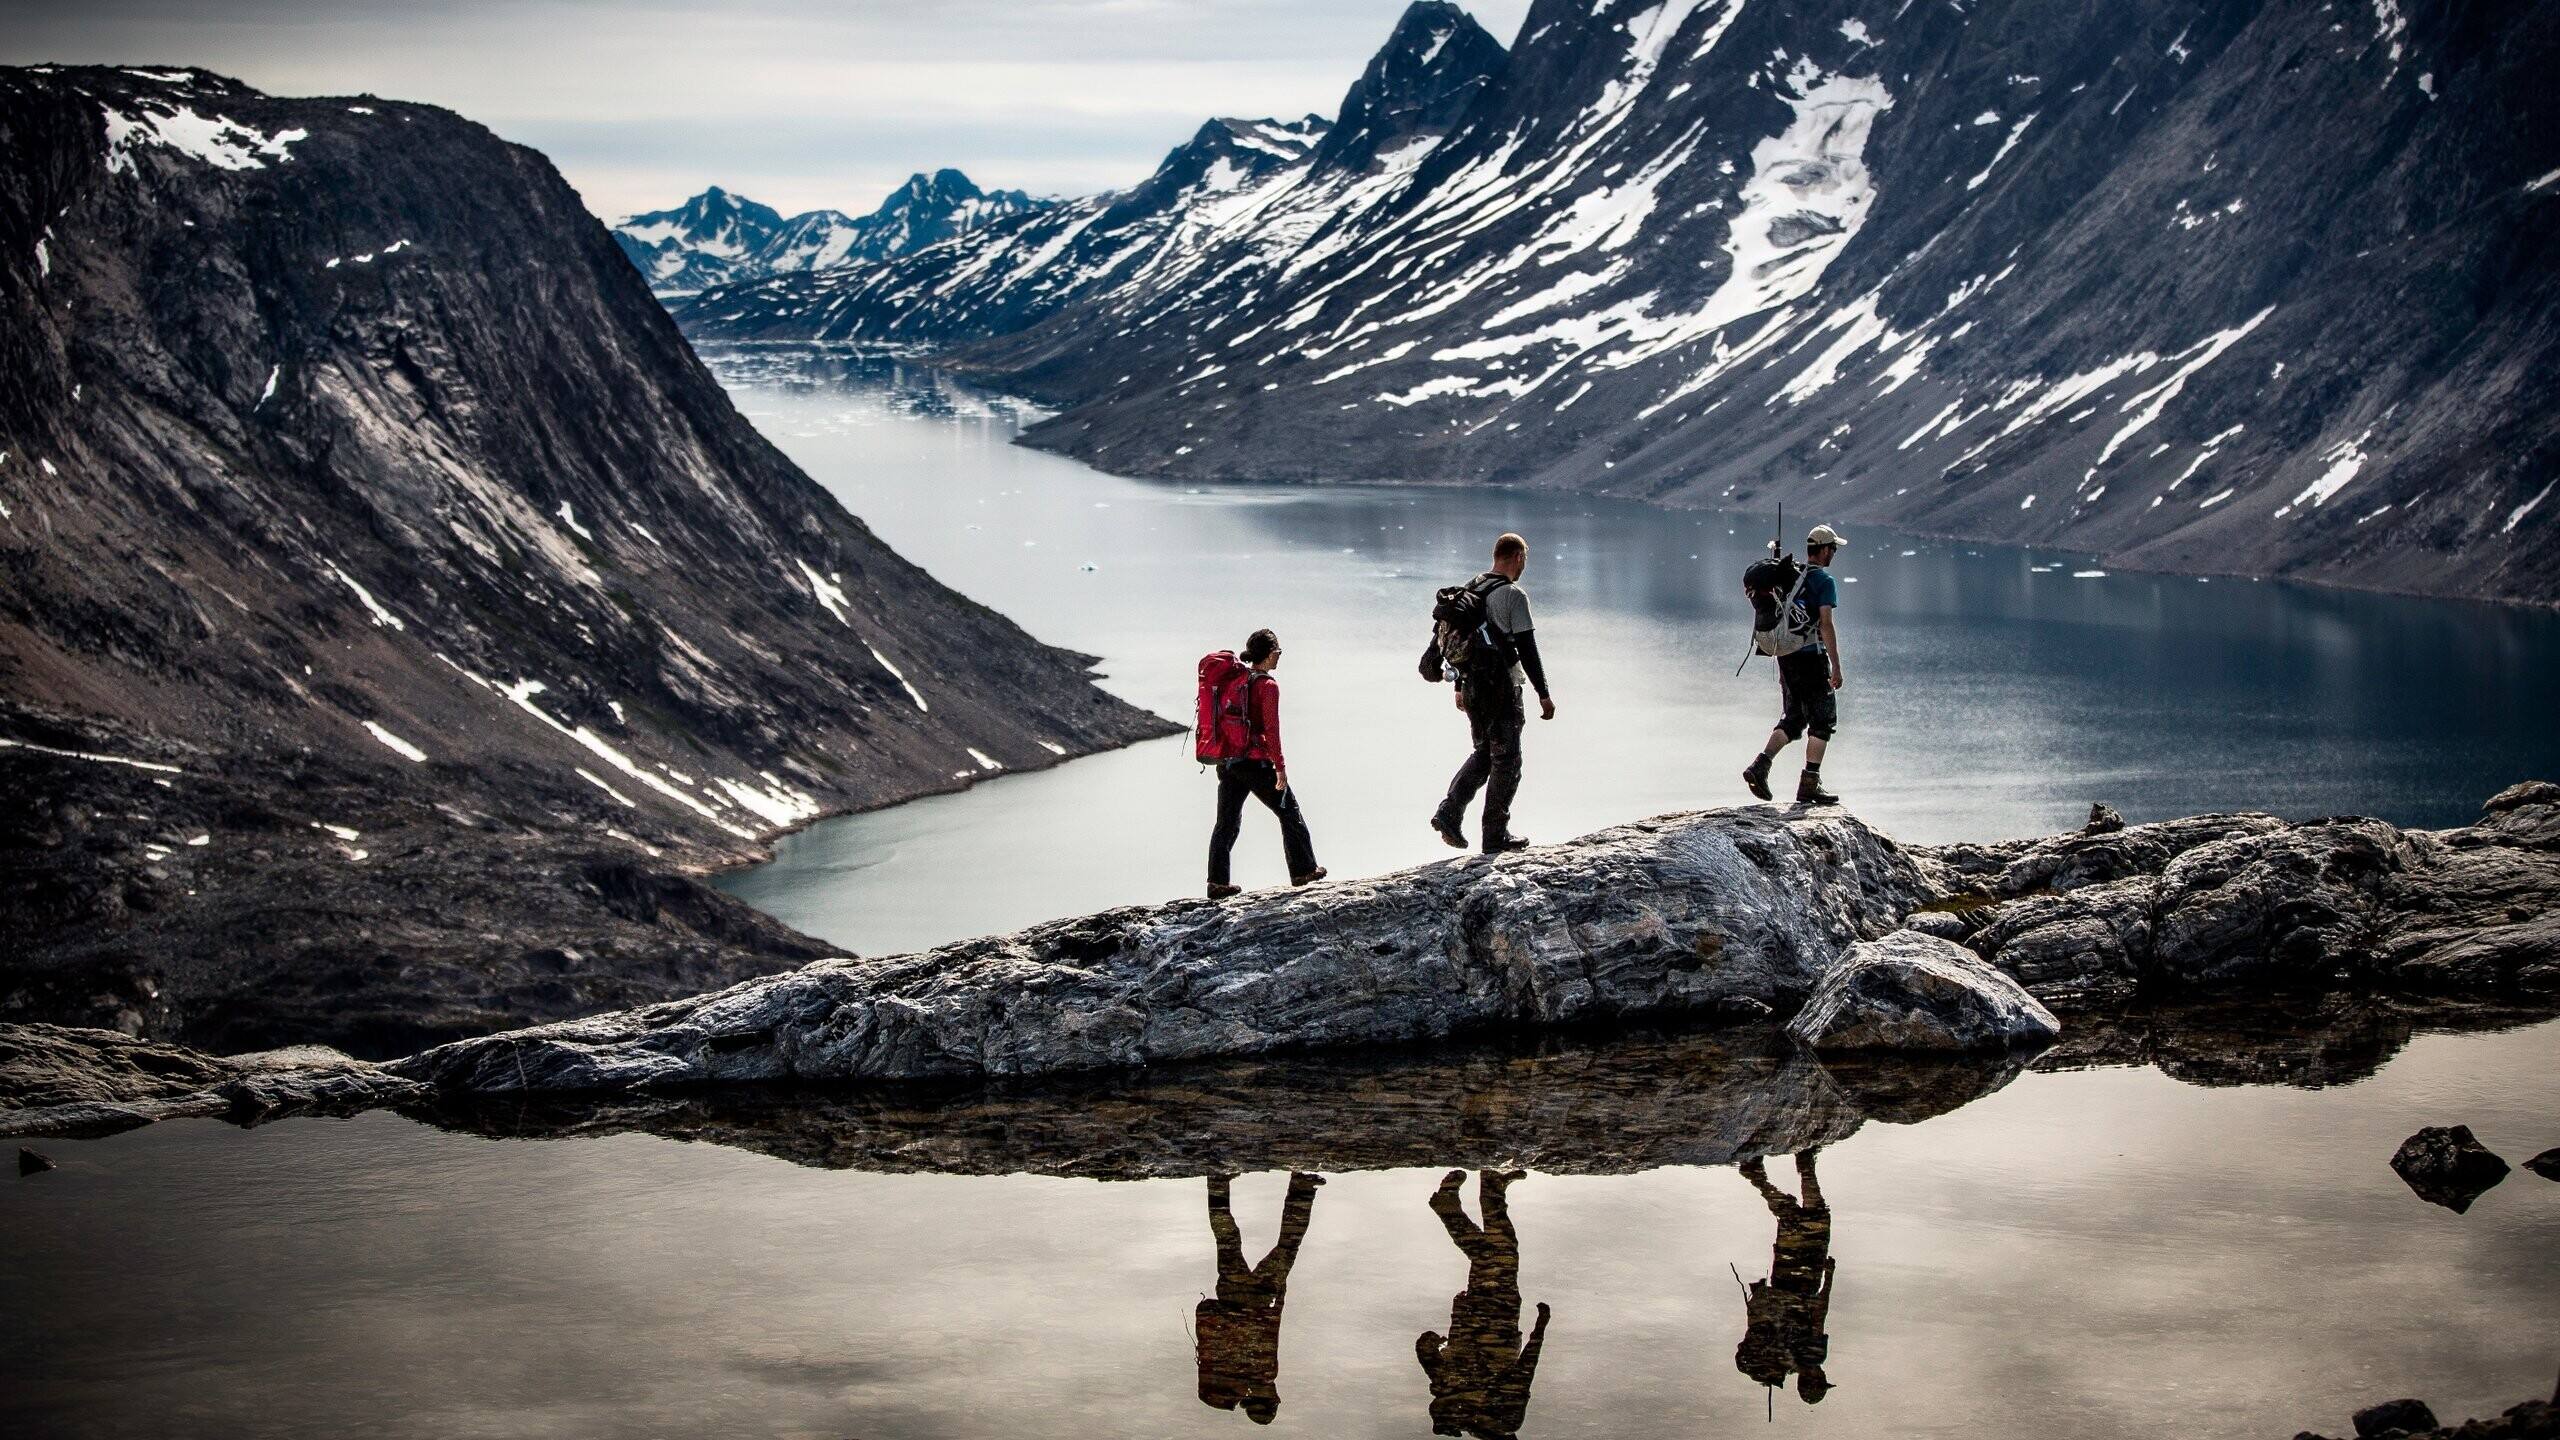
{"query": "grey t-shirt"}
[(1508, 608)]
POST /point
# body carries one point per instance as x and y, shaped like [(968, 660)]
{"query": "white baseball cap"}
[(1823, 535)]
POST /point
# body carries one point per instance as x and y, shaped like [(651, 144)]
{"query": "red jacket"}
[(1262, 706)]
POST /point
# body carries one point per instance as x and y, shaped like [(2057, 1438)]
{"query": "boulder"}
[(2446, 1165), (2103, 820), (2394, 1417), (2087, 947), (1910, 991), (1720, 915), (2546, 1164), (2302, 905), (2088, 857)]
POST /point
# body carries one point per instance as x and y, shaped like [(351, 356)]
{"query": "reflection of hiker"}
[(1239, 732), (1808, 672), (1480, 1372), (1482, 635), (1789, 1310), (1239, 1331)]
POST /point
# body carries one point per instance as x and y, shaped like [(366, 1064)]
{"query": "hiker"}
[(1480, 1371), (1788, 1313), (1239, 1331), (1483, 641), (1239, 732), (1808, 675)]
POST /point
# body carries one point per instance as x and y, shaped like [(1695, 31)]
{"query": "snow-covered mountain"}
[(2225, 286), (1236, 197), (717, 238)]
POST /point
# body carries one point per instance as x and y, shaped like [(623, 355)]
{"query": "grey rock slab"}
[(1910, 991), (2088, 946), (1720, 913)]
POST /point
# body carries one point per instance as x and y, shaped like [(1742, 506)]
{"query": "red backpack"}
[(1224, 730)]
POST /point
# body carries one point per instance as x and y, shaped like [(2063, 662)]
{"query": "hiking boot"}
[(1755, 778), (1499, 844), (1309, 878), (1448, 831), (1221, 892), (1809, 791)]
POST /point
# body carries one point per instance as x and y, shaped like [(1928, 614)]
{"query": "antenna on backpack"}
[(1777, 540)]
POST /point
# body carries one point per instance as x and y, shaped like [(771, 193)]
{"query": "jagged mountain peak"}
[(1420, 82)]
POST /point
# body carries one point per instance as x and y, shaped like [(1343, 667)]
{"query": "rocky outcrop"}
[(2228, 900), (60, 1081), (1725, 914), (394, 613), (1911, 992), (2448, 1166), (2546, 1164)]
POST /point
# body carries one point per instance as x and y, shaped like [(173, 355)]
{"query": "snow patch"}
[(2516, 516), (397, 745), (900, 676), (568, 516), (7, 744), (829, 594), (215, 140), (381, 616), (985, 761)]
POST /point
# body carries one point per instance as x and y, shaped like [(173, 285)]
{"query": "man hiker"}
[(1238, 1332), (1807, 680), (1240, 733), (1500, 655)]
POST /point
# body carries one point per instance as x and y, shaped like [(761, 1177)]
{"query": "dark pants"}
[(1495, 718), (1807, 702), (1238, 779)]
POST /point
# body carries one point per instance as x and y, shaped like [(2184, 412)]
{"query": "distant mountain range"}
[(717, 238), (2249, 287)]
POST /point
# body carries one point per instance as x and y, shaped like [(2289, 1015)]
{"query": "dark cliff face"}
[(2262, 288), (353, 476)]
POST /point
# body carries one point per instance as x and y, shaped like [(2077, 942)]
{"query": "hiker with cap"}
[(1239, 733), (1787, 1330), (1808, 674), (1237, 1332), (1482, 639)]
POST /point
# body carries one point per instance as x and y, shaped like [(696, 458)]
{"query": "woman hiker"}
[(1241, 705)]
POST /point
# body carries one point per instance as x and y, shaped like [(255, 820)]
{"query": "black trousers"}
[(1495, 718), (1238, 779), (1807, 704)]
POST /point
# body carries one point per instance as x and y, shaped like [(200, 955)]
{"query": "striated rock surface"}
[(1914, 992), (1733, 913), (56, 1080)]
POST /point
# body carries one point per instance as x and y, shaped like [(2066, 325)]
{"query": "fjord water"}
[(2102, 1252), (1990, 692)]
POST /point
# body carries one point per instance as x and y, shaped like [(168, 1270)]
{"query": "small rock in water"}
[(30, 1163), (2546, 1164), (2394, 1417), (2447, 1166), (2103, 820)]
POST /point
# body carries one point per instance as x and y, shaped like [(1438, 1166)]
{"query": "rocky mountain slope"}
[(2258, 288), (717, 238), (394, 614)]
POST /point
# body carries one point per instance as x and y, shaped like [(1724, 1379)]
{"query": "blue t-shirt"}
[(1818, 590)]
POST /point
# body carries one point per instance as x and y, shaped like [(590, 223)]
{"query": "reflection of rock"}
[(1718, 914), (1915, 992), (1631, 1104), (1905, 1090), (2305, 1040), (2546, 1164), (2394, 1417), (32, 1163), (2448, 1166), (95, 1082), (2532, 1420), (2222, 900)]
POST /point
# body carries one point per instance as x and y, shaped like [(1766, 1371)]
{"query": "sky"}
[(796, 103)]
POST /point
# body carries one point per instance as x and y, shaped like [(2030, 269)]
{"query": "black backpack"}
[(1461, 640), (1780, 624)]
